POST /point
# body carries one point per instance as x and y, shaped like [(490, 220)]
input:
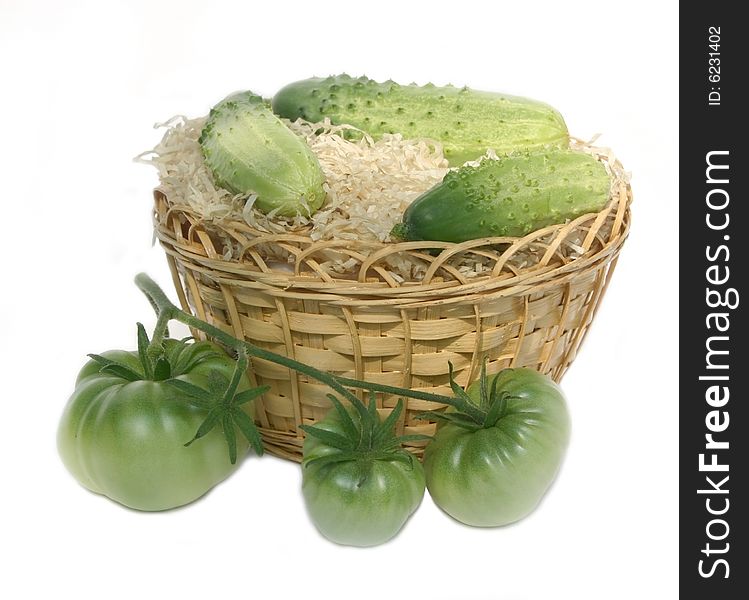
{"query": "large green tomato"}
[(497, 474), (126, 439), (361, 502)]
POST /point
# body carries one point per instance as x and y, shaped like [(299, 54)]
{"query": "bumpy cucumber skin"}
[(467, 122), (509, 197), (250, 150)]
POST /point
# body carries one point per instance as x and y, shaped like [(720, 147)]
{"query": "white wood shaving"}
[(369, 184)]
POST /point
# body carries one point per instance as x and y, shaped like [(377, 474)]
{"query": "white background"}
[(83, 82)]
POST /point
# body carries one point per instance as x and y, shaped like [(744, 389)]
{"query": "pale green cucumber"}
[(250, 150)]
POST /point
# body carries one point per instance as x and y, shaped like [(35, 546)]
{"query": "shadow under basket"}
[(346, 308)]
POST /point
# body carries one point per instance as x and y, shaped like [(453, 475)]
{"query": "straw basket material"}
[(529, 306)]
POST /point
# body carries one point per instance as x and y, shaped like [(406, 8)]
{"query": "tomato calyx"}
[(466, 413), (223, 404), (157, 362), (365, 438), (165, 361)]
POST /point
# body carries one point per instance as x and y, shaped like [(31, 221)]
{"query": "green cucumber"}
[(250, 150), (511, 196), (466, 122)]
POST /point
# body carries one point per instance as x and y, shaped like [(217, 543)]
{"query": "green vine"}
[(226, 411)]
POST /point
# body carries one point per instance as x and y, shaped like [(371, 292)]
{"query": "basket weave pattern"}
[(368, 324)]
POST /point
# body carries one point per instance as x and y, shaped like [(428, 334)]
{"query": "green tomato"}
[(498, 474), (126, 439), (360, 502)]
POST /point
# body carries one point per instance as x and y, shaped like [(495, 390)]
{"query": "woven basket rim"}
[(372, 283)]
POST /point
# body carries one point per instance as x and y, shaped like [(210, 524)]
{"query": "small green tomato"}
[(359, 485), (494, 469)]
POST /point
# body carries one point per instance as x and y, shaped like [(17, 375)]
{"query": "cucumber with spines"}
[(250, 150), (511, 196), (466, 122)]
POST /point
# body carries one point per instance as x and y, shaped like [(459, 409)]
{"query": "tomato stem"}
[(239, 368), (166, 311), (390, 389), (160, 330)]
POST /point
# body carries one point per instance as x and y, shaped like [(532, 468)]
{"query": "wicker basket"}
[(367, 323)]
